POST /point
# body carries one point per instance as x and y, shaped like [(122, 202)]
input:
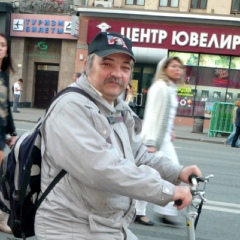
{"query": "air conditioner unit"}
[(105, 4)]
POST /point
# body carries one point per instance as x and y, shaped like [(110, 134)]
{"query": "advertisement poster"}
[(134, 84), (185, 99), (208, 109)]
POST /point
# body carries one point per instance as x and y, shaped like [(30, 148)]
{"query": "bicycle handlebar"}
[(194, 179)]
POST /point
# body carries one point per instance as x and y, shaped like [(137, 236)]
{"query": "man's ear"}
[(85, 67)]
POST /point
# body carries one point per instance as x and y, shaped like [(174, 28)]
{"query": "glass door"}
[(141, 82)]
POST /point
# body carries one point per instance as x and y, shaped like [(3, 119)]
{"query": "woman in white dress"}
[(158, 126)]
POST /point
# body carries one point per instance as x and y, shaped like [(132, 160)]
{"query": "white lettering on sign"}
[(162, 35), (193, 39), (236, 41), (135, 34), (182, 38), (213, 41), (225, 41), (203, 40), (144, 35)]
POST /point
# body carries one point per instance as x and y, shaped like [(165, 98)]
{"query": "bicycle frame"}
[(194, 209)]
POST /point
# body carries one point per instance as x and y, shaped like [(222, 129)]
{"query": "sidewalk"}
[(183, 126)]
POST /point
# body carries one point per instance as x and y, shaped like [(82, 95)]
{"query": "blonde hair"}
[(160, 72)]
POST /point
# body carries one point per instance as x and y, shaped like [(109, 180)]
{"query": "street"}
[(220, 215)]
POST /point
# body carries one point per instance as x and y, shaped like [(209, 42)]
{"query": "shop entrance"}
[(142, 79), (46, 84)]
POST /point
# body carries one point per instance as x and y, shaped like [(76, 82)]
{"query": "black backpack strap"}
[(63, 172), (70, 89), (50, 187)]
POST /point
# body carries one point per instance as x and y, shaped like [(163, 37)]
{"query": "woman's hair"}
[(162, 65), (7, 62)]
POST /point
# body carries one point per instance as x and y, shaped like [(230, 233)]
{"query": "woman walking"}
[(158, 125), (234, 119), (6, 121)]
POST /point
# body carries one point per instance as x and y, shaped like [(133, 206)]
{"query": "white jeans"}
[(169, 210)]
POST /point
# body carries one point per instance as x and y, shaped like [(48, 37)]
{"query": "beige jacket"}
[(107, 168)]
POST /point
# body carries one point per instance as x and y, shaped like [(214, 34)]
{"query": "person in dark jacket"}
[(6, 121), (237, 133)]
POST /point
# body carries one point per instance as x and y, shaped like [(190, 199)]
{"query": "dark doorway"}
[(46, 85), (142, 79)]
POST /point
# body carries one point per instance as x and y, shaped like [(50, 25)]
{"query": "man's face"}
[(110, 75)]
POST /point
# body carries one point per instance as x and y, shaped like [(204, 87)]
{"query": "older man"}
[(98, 143)]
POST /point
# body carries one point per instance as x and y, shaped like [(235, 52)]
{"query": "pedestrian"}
[(76, 75), (17, 93), (129, 96), (158, 127), (98, 143), (6, 121), (237, 133), (234, 118)]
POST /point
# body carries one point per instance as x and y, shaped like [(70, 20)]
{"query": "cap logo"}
[(113, 40)]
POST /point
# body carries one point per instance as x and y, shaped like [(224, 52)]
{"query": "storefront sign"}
[(41, 51), (174, 37), (38, 25), (186, 92), (75, 26)]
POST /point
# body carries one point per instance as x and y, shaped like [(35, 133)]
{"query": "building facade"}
[(205, 35)]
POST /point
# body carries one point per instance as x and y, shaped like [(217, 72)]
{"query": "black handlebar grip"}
[(178, 202), (191, 177)]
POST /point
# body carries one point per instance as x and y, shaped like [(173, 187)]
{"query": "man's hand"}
[(183, 194), (151, 149), (187, 171)]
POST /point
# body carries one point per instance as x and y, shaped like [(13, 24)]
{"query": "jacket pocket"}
[(104, 225), (101, 124)]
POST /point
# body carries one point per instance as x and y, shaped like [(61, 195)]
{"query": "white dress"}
[(168, 149)]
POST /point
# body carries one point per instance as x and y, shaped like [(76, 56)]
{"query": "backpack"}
[(20, 177)]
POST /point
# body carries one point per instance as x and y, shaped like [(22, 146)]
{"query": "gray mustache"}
[(115, 80)]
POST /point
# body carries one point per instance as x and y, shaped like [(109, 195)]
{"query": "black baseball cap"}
[(106, 43)]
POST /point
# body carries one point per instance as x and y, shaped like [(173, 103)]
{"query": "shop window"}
[(200, 4), (235, 6), (135, 2), (214, 61), (234, 79), (169, 3), (189, 59), (235, 63)]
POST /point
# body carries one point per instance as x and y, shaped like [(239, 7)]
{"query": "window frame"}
[(169, 3), (199, 4), (235, 11), (135, 3)]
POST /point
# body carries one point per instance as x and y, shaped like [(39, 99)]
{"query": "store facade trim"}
[(210, 54), (40, 25), (44, 53), (168, 36)]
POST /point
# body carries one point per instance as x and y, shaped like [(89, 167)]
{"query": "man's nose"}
[(116, 73)]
